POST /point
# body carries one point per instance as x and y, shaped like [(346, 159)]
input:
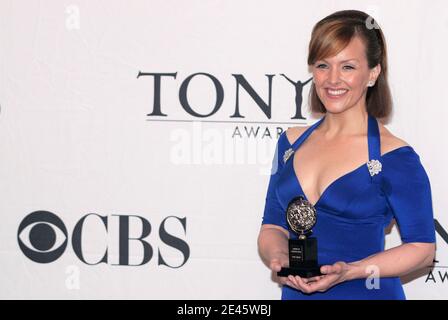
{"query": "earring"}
[(371, 83)]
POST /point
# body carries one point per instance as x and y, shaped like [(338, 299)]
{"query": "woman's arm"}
[(394, 262), (273, 249), (273, 245)]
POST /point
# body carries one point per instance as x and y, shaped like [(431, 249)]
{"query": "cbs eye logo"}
[(42, 236)]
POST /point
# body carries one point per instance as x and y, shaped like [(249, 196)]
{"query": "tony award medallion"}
[(301, 216)]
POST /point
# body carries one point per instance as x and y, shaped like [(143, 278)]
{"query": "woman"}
[(356, 174)]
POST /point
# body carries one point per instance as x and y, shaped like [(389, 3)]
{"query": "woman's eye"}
[(322, 65)]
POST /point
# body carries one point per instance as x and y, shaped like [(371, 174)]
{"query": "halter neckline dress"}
[(354, 210)]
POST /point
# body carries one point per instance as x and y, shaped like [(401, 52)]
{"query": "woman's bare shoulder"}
[(389, 141), (294, 133)]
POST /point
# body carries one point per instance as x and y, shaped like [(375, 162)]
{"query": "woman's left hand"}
[(332, 275)]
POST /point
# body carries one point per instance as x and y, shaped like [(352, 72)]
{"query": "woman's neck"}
[(345, 124)]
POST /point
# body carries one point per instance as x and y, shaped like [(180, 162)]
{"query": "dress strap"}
[(374, 138), (296, 144), (374, 164)]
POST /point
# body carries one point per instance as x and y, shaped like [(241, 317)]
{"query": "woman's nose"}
[(334, 76)]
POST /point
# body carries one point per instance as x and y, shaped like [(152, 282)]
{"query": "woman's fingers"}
[(335, 268), (299, 283), (275, 265), (303, 282), (330, 277), (293, 282), (290, 284), (314, 279), (306, 285), (325, 269)]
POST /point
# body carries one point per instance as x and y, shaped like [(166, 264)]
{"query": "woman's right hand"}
[(276, 265), (298, 283)]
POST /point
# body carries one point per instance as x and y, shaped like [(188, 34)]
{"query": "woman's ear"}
[(375, 72)]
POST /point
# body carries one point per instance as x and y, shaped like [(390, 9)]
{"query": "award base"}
[(305, 272)]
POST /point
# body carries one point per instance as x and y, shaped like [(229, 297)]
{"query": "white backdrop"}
[(76, 138)]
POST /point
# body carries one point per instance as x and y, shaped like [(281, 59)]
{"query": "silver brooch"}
[(374, 167), (287, 154)]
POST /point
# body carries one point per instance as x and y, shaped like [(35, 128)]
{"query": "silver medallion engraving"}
[(301, 216)]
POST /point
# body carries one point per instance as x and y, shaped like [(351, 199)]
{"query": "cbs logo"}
[(43, 238)]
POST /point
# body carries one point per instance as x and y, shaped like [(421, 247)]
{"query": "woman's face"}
[(341, 81)]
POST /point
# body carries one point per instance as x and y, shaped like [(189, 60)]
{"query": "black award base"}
[(305, 272), (302, 259)]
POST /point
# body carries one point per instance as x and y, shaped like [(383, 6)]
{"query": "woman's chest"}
[(334, 182), (317, 165)]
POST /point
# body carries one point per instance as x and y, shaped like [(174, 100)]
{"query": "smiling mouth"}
[(335, 93)]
